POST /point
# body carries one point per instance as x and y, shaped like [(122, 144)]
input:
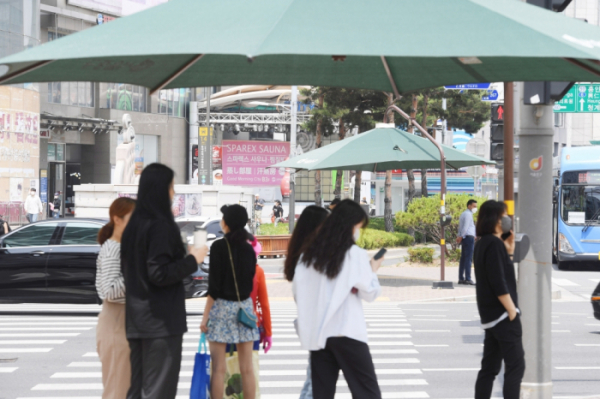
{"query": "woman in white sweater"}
[(111, 342), (332, 278)]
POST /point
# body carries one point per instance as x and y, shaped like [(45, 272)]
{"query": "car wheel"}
[(554, 259), (560, 265)]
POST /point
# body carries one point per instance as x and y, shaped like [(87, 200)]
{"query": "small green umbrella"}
[(378, 44), (381, 149)]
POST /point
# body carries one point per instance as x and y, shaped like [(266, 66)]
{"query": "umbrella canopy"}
[(379, 150), (426, 43)]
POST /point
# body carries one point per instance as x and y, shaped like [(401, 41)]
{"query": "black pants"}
[(354, 359), (155, 365), (504, 341)]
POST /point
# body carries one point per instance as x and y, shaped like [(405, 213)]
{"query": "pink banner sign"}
[(245, 163)]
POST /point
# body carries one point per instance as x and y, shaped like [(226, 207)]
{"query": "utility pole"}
[(293, 127), (535, 271), (210, 133), (509, 139)]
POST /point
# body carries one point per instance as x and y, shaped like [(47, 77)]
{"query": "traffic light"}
[(497, 133)]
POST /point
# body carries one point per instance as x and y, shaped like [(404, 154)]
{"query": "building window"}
[(559, 119), (305, 186), (173, 102), (123, 96), (80, 94)]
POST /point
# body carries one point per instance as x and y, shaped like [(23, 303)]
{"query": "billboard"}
[(245, 163), (116, 7)]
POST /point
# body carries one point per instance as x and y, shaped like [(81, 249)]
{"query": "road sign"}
[(492, 95), (579, 99), (469, 86)]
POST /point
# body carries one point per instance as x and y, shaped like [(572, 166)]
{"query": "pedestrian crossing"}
[(282, 371)]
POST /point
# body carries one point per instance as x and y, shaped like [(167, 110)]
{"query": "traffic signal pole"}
[(509, 136), (535, 271)]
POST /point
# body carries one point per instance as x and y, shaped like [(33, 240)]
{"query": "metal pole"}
[(210, 182), (293, 127), (535, 271), (193, 135), (509, 139), (441, 283)]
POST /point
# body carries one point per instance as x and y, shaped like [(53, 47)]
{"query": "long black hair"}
[(309, 221), (335, 237), (153, 202), (488, 217)]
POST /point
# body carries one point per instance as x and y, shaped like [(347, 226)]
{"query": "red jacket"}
[(260, 297)]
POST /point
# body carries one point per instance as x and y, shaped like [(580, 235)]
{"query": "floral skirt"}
[(223, 325)]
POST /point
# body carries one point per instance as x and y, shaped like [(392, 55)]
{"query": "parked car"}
[(54, 261), (596, 302)]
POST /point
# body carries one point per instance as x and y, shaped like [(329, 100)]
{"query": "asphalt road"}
[(421, 350)]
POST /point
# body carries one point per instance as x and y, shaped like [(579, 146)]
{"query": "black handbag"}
[(248, 320)]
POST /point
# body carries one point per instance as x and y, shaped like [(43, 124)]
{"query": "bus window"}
[(579, 203)]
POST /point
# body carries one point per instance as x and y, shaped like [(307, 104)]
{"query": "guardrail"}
[(12, 212)]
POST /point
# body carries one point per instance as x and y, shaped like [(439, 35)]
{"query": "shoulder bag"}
[(248, 320)]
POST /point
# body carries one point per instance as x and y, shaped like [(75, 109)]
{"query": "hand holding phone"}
[(377, 260), (380, 254)]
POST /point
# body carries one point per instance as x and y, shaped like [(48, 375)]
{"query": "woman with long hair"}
[(332, 278), (230, 283), (154, 263), (311, 218), (111, 342), (308, 223), (498, 302)]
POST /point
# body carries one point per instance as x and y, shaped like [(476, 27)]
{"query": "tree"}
[(423, 213)]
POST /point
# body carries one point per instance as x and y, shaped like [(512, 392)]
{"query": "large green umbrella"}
[(381, 149), (377, 44)]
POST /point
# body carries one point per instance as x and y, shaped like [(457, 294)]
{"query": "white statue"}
[(125, 167)]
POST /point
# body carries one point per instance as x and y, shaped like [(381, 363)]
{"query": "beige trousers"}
[(113, 350)]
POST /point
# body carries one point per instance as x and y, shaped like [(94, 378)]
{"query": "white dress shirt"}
[(327, 307), (33, 204)]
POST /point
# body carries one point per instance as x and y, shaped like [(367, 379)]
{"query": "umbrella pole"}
[(442, 283)]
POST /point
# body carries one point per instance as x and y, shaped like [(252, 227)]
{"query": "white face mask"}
[(474, 210), (31, 193), (356, 235)]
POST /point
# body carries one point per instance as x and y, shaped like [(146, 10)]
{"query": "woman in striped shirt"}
[(112, 344)]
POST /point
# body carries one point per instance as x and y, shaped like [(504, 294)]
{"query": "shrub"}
[(454, 255), (375, 239), (420, 255), (422, 214), (269, 229)]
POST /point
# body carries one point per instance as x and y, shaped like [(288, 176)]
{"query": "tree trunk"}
[(337, 192), (424, 171), (357, 184), (409, 173), (318, 145), (387, 214)]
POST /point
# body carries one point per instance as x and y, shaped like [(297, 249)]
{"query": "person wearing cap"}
[(277, 213), (56, 205), (230, 283), (259, 204)]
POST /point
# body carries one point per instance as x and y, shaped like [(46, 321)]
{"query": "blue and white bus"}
[(576, 211)]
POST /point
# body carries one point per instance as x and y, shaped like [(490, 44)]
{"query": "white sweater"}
[(327, 307)]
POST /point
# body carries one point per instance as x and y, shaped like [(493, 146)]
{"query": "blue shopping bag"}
[(200, 388)]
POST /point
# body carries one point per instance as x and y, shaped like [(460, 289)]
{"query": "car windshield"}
[(580, 203), (188, 227)]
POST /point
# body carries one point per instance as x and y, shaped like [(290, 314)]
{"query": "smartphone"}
[(380, 254), (504, 236)]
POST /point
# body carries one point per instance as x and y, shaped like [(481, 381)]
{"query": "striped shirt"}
[(110, 284)]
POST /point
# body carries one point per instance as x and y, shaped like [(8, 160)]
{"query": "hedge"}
[(375, 239), (421, 255)]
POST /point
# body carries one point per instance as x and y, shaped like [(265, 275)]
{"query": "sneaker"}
[(469, 282), (461, 281)]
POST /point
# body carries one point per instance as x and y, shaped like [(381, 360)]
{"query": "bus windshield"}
[(580, 203)]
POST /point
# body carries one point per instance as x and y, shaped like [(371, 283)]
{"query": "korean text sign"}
[(245, 163)]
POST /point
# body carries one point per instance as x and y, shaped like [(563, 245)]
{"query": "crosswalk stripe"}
[(25, 350), (44, 323), (33, 342), (384, 395), (33, 335), (342, 383), (7, 369), (47, 329)]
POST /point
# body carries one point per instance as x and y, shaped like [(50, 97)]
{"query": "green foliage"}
[(375, 239), (234, 386), (464, 111), (422, 214), (454, 255), (269, 229), (420, 255), (379, 224)]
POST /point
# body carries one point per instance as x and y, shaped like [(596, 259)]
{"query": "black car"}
[(54, 261), (596, 302)]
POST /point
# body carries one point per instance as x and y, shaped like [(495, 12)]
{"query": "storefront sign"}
[(245, 163), (203, 154), (44, 186)]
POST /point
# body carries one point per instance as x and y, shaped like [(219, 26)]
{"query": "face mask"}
[(506, 222), (32, 193), (474, 210), (356, 235)]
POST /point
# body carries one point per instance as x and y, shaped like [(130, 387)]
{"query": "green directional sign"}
[(580, 98)]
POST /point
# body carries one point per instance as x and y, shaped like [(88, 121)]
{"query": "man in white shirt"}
[(466, 239), (32, 206)]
